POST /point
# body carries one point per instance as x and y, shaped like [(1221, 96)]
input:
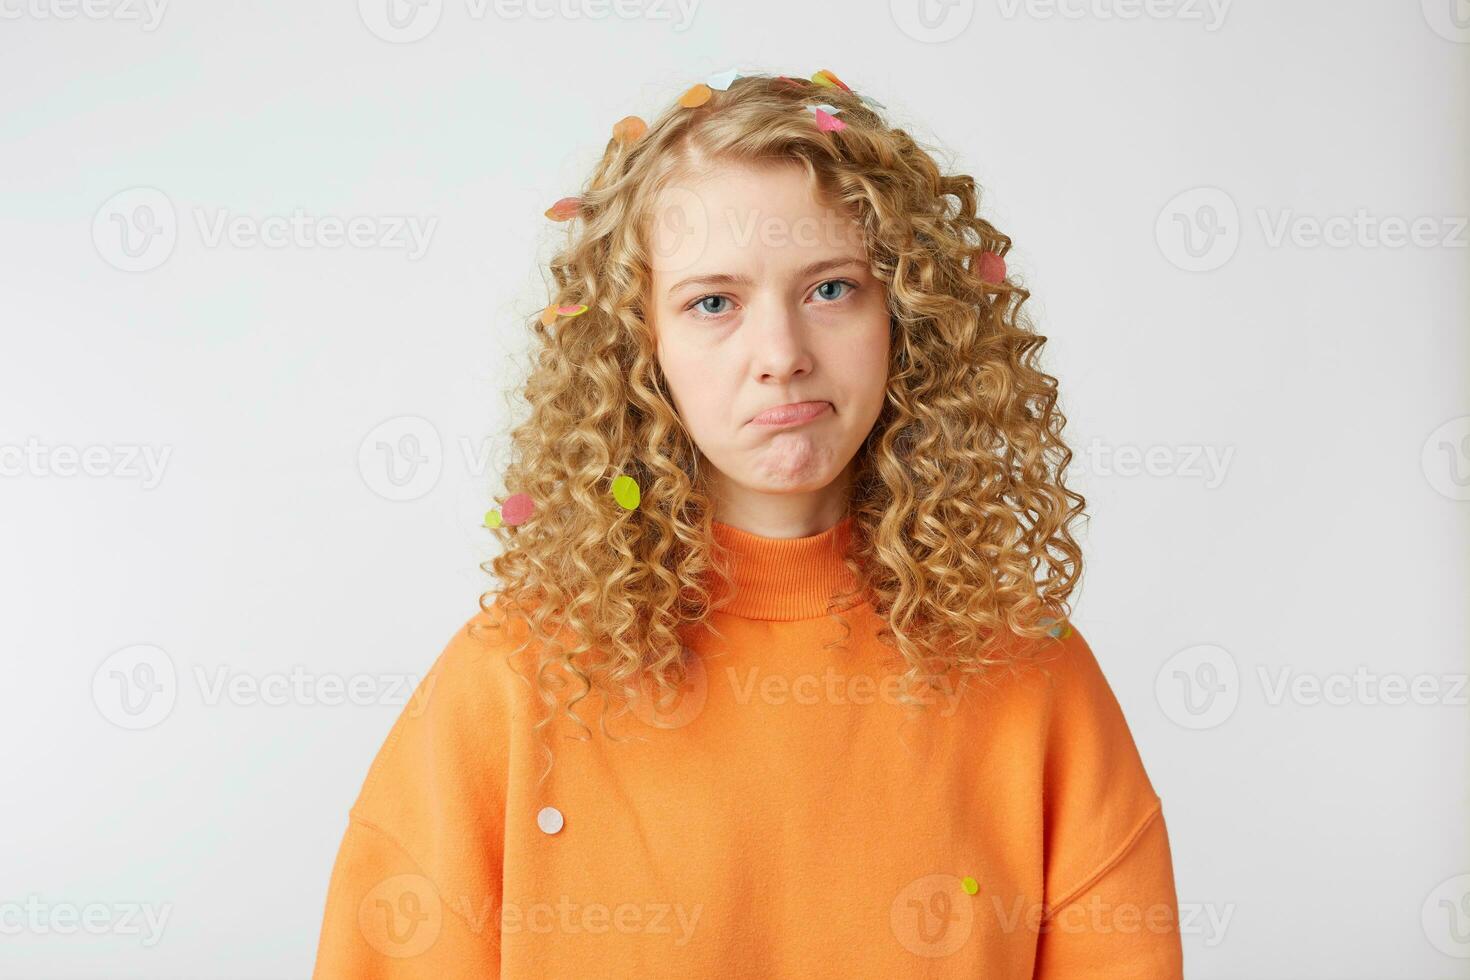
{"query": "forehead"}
[(739, 214)]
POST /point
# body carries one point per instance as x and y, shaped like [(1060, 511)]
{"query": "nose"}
[(780, 340)]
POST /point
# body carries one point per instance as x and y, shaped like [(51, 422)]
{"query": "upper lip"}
[(790, 405)]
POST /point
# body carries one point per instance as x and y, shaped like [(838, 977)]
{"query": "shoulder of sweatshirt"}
[(443, 766), (1097, 798)]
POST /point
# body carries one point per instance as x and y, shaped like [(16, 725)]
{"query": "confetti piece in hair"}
[(828, 123), (825, 107), (549, 315), (723, 80), (872, 101), (492, 517), (517, 509), (697, 96), (629, 129), (793, 82), (565, 209), (991, 268), (625, 491), (826, 78), (970, 885)]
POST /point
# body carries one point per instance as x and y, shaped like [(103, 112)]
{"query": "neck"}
[(784, 578)]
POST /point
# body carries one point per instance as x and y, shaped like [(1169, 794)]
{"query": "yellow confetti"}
[(492, 517), (970, 885), (826, 78)]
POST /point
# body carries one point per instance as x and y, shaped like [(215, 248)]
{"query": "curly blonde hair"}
[(961, 534)]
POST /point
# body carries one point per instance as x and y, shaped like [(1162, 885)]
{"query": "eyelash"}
[(691, 308)]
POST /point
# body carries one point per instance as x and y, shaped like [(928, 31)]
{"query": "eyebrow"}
[(727, 279)]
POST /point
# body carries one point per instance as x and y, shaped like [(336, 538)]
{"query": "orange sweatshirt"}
[(785, 817)]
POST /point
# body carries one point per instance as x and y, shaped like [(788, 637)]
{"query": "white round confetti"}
[(549, 819)]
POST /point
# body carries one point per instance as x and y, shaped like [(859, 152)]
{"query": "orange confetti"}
[(629, 129), (825, 77), (697, 96), (565, 209)]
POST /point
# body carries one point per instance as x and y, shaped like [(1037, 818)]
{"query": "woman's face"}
[(762, 298)]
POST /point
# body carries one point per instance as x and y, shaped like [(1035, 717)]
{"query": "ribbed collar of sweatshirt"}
[(785, 578)]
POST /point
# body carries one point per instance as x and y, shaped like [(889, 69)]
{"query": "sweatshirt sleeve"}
[(415, 889), (1110, 910)]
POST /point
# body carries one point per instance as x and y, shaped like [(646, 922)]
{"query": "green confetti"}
[(492, 517), (970, 885), (625, 491)]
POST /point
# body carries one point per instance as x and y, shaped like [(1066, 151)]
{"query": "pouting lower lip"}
[(793, 413)]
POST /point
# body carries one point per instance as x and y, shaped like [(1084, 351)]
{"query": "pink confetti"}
[(829, 123), (517, 509)]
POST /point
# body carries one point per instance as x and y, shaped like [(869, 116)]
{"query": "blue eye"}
[(702, 311), (837, 282), (699, 304)]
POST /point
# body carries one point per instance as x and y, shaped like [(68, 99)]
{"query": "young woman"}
[(788, 522)]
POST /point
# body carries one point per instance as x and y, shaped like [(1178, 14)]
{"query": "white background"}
[(1329, 379)]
